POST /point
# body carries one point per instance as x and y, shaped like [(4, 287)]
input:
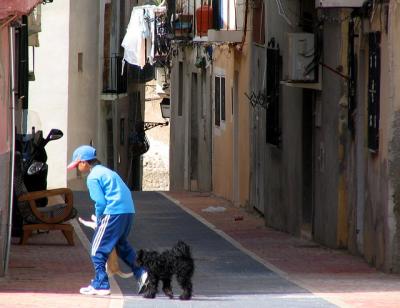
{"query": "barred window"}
[(219, 99)]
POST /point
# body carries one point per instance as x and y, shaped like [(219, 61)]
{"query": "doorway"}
[(308, 183), (110, 144), (194, 135), (235, 115)]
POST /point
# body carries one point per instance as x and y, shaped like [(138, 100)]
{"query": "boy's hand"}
[(87, 223)]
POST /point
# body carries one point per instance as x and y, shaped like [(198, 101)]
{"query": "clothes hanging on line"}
[(138, 42)]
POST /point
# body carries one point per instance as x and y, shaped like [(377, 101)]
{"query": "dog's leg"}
[(167, 288), (186, 285)]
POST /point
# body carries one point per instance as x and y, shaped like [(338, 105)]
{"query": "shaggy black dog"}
[(162, 266)]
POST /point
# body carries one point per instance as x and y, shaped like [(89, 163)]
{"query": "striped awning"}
[(9, 8)]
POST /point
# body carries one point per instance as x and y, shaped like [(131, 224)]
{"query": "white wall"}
[(61, 97), (48, 94)]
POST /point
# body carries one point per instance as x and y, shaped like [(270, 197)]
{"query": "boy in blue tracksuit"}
[(114, 210)]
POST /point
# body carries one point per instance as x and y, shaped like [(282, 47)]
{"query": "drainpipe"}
[(12, 154), (245, 26)]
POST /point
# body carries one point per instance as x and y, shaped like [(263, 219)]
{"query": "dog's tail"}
[(124, 275), (182, 250)]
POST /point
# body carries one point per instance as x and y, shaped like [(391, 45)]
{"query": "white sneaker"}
[(89, 290), (142, 282)]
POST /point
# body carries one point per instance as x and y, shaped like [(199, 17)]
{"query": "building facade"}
[(209, 149), (332, 174)]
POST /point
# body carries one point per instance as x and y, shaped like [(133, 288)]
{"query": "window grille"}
[(374, 72)]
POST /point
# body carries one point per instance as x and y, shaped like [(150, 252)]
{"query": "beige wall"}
[(242, 65), (83, 90)]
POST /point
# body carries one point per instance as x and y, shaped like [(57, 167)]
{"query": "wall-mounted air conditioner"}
[(338, 3), (301, 55)]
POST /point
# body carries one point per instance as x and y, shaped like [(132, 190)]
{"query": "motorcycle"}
[(32, 158)]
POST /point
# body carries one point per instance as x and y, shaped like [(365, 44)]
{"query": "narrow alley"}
[(263, 133)]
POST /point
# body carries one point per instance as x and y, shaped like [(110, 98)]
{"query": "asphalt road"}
[(224, 275)]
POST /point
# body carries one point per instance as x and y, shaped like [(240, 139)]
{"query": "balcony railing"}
[(114, 82)]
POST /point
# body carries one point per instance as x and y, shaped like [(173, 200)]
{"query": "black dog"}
[(162, 266)]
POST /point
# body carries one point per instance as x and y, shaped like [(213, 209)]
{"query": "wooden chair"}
[(51, 217)]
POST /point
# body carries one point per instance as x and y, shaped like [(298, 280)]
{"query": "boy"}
[(114, 209)]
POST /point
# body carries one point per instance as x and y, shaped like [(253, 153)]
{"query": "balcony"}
[(114, 83), (217, 21)]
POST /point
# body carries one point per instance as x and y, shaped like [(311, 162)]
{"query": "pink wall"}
[(5, 98)]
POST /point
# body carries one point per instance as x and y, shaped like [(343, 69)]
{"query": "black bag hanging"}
[(139, 143)]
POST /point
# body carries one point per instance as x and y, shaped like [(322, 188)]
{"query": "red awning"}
[(17, 7)]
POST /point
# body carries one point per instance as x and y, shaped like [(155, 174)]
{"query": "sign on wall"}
[(338, 3)]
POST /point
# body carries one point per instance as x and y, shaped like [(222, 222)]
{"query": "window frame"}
[(259, 20)]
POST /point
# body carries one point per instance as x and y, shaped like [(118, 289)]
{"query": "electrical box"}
[(301, 58), (338, 3)]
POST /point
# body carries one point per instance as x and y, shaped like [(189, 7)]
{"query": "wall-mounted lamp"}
[(165, 106)]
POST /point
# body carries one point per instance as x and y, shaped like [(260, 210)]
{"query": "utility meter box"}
[(338, 3), (301, 58)]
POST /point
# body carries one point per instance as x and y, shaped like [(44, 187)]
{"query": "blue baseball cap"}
[(82, 153)]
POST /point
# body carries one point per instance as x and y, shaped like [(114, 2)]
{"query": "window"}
[(122, 131), (352, 81), (224, 14), (258, 22), (80, 62), (273, 93), (217, 18), (219, 99), (180, 98)]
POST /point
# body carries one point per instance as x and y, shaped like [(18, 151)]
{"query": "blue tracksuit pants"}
[(112, 231)]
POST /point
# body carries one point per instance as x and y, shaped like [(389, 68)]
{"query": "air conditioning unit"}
[(301, 54), (338, 3)]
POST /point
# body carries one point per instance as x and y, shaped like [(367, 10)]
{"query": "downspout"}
[(12, 18), (245, 26), (12, 150)]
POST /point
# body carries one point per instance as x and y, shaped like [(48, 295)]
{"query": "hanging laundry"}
[(139, 38)]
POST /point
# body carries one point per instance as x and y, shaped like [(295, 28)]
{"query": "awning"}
[(17, 7)]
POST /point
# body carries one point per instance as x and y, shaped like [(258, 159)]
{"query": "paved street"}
[(224, 277), (234, 254)]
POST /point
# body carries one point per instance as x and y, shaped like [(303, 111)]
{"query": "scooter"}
[(33, 168)]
